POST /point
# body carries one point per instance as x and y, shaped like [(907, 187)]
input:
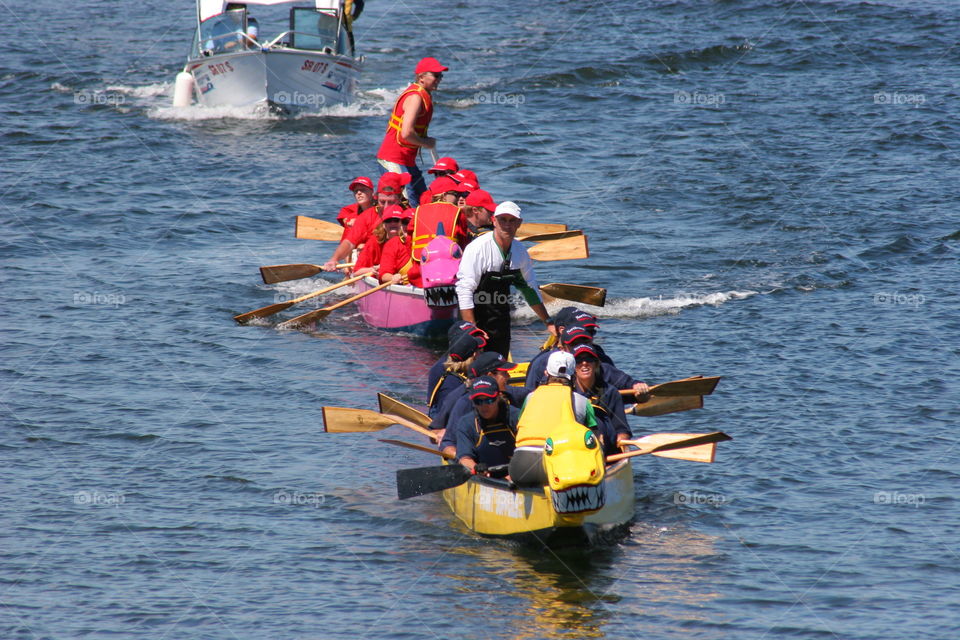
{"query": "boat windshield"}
[(222, 33), (315, 30)]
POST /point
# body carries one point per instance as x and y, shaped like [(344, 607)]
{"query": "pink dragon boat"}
[(427, 312)]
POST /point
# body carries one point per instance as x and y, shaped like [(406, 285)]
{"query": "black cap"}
[(483, 387), (489, 361), (463, 347), (576, 332)]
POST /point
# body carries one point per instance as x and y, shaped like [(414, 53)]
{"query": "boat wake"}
[(642, 307)]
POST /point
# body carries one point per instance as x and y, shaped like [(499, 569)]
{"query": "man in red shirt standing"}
[(407, 128)]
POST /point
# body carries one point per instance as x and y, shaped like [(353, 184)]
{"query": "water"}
[(769, 193)]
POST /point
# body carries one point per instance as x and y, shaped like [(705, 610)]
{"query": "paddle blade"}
[(696, 453), (417, 447), (418, 482), (284, 272), (698, 386), (305, 319), (397, 408), (262, 312), (536, 228), (677, 447), (596, 296), (542, 237), (345, 420), (314, 229), (658, 406), (574, 248)]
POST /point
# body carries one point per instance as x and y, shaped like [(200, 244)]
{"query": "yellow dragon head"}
[(573, 462)]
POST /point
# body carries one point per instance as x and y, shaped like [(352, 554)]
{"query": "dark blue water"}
[(770, 194)]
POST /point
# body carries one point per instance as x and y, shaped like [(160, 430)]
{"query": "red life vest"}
[(396, 149), (426, 220)]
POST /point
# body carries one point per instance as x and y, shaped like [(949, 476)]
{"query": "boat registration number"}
[(500, 503)]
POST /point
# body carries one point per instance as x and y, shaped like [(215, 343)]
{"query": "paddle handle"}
[(332, 287), (344, 303)]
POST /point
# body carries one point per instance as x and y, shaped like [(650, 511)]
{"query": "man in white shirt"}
[(490, 265)]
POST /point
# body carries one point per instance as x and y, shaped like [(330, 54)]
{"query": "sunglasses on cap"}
[(480, 402)]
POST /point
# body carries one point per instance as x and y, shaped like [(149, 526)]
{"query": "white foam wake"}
[(641, 307)]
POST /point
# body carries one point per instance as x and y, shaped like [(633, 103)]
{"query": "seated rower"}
[(604, 398), (444, 167), (389, 192), (451, 376), (464, 189), (443, 190), (568, 337), (396, 260), (486, 435), (456, 403), (390, 227), (362, 188), (526, 467), (479, 207)]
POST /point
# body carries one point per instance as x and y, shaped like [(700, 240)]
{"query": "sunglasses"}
[(480, 402), (437, 74), (389, 220), (461, 194)]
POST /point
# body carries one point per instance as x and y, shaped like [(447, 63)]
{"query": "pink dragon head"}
[(440, 261)]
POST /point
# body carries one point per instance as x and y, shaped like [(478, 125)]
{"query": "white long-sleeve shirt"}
[(482, 255)]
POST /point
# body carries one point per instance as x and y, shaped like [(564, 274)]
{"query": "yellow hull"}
[(490, 508)]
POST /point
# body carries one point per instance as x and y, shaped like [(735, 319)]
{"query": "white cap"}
[(508, 208), (561, 364)]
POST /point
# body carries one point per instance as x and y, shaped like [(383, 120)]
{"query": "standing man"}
[(491, 264), (407, 127)]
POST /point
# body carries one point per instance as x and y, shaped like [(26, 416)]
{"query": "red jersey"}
[(363, 226), (396, 149), (370, 254), (347, 216), (395, 258)]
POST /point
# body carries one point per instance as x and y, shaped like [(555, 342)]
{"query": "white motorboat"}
[(308, 66)]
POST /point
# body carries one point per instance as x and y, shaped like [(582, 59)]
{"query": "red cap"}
[(466, 174), (431, 65), (468, 185), (392, 182), (444, 164), (481, 198), (392, 211), (409, 213), (363, 181), (442, 185)]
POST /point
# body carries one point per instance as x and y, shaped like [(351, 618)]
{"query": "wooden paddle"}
[(269, 310), (314, 229), (392, 406), (535, 228), (554, 235), (284, 272), (346, 420), (417, 447), (662, 405), (695, 386), (418, 482), (693, 441), (574, 248), (320, 314), (596, 296), (696, 453)]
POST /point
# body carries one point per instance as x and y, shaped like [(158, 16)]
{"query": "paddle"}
[(694, 441), (392, 406), (696, 453), (695, 386), (314, 229), (345, 420), (554, 235), (535, 228), (320, 314), (269, 310), (596, 296), (417, 447), (284, 272), (418, 482), (574, 248), (662, 405)]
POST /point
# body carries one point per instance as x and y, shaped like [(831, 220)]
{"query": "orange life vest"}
[(426, 220), (394, 148)]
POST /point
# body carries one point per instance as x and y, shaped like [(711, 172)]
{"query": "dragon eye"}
[(548, 446), (455, 251), (589, 440)]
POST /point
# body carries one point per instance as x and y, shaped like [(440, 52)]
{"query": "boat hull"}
[(490, 508), (291, 80), (402, 308)]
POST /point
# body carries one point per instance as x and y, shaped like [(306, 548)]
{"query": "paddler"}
[(391, 228), (396, 262), (362, 189), (389, 192), (604, 398), (444, 167), (486, 435), (450, 374), (479, 207), (407, 128), (490, 265)]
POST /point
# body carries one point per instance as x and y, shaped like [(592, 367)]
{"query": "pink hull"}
[(402, 308)]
